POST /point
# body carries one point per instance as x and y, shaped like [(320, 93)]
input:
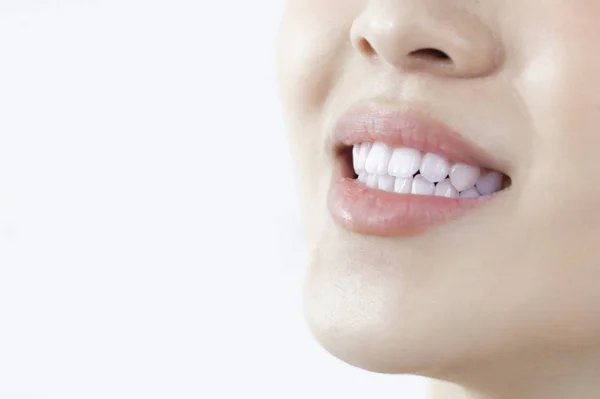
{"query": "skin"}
[(504, 302)]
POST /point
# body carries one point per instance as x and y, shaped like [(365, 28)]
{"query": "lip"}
[(369, 211), (406, 127)]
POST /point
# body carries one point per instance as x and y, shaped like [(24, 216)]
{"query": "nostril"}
[(431, 54), (365, 47)]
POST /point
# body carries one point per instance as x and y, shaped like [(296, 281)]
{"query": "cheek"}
[(312, 49), (560, 88), (313, 40)]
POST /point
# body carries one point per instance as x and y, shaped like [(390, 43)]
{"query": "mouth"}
[(399, 173)]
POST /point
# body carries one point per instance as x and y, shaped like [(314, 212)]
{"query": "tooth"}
[(490, 183), (405, 162), (470, 193), (464, 177), (384, 162), (355, 154), (434, 167), (362, 157), (446, 189), (422, 186), (372, 181), (378, 159), (386, 183), (362, 178), (403, 185)]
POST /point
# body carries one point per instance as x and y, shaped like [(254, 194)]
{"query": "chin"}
[(377, 304), (360, 315), (344, 328)]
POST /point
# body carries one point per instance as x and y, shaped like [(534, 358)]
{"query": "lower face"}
[(451, 219)]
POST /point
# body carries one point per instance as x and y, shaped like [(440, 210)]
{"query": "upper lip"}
[(408, 127)]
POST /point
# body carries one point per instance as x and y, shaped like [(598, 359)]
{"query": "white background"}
[(150, 243)]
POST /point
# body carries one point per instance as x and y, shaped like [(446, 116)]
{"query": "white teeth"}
[(381, 167), (378, 159), (434, 167), (363, 152), (384, 161), (445, 189), (372, 181), (470, 193), (386, 183), (405, 162), (464, 177), (422, 186), (363, 178), (355, 158), (490, 183), (403, 185)]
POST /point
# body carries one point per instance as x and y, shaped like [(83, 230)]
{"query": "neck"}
[(575, 375)]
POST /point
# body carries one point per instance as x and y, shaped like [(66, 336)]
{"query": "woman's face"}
[(446, 101)]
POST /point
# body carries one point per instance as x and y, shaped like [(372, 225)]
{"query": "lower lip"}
[(369, 211)]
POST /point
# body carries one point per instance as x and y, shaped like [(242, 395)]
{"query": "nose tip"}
[(445, 44)]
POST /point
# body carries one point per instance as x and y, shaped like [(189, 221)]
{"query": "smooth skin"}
[(503, 303)]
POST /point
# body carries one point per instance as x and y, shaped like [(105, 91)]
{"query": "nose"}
[(427, 37)]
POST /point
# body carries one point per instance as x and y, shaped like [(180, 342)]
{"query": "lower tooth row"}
[(487, 184)]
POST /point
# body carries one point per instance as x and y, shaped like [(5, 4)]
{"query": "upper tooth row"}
[(378, 158)]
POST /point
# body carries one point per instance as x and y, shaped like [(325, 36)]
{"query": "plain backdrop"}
[(150, 242)]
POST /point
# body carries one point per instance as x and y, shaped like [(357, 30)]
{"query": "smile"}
[(400, 173)]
